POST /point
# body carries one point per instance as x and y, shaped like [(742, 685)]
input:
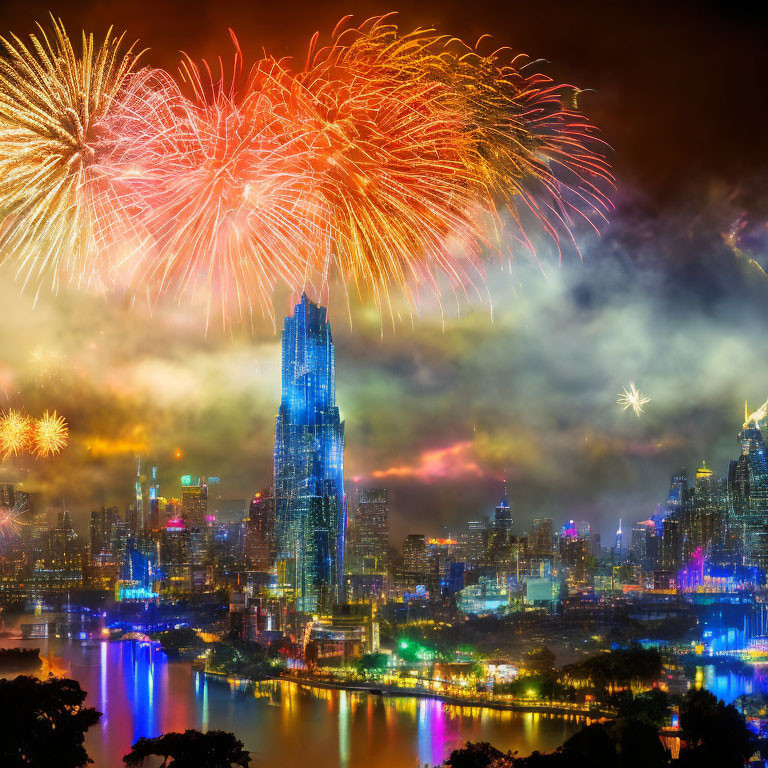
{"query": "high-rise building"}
[(749, 498), (310, 507), (474, 543), (542, 542), (260, 532), (415, 559), (154, 502), (194, 500), (502, 520), (140, 521), (102, 534), (369, 532)]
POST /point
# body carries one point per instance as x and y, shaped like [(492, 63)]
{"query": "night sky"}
[(441, 409)]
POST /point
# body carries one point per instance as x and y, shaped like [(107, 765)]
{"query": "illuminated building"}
[(140, 522), (415, 554), (175, 557), (670, 545), (575, 549), (542, 537), (369, 533), (154, 502), (484, 598), (194, 500), (103, 523), (502, 520), (63, 556), (260, 532), (137, 577), (310, 509), (749, 498), (474, 543)]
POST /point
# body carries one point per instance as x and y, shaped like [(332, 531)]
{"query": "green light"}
[(403, 644), (186, 480)]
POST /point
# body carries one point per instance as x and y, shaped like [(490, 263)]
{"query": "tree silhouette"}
[(191, 749), (43, 723), (715, 733)]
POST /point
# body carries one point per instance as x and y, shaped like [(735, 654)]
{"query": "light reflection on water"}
[(142, 694)]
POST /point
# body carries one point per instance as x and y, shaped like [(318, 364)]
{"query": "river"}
[(141, 693)]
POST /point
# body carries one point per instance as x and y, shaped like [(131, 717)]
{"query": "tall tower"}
[(502, 520), (310, 507)]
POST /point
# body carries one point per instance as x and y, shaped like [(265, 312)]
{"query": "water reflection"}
[(142, 694)]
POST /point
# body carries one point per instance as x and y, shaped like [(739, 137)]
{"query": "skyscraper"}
[(749, 497), (310, 511), (194, 500), (502, 520), (154, 502), (369, 544)]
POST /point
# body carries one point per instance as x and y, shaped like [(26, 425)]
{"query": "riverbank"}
[(377, 689)]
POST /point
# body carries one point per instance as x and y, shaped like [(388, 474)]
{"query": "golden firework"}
[(52, 106), (50, 435), (15, 432)]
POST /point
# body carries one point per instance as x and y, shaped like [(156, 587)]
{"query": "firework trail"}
[(391, 161)]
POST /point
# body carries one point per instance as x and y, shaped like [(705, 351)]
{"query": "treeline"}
[(713, 735), (601, 676)]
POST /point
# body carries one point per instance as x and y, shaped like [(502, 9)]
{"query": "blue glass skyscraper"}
[(310, 508)]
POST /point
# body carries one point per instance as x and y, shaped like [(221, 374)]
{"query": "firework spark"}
[(391, 161), (50, 435), (633, 398), (15, 433)]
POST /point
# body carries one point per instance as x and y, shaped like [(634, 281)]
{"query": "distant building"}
[(502, 520), (415, 554), (369, 533), (194, 500), (103, 522)]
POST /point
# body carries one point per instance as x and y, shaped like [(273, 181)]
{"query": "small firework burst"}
[(9, 522), (633, 398), (15, 433), (50, 435)]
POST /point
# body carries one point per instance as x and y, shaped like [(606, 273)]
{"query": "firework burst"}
[(15, 433), (61, 218), (50, 435), (10, 526), (633, 398), (392, 161)]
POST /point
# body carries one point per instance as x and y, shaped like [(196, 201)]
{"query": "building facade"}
[(310, 507)]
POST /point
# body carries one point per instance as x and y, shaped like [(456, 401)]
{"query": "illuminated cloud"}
[(454, 461)]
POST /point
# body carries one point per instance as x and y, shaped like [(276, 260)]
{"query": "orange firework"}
[(393, 162), (50, 435), (15, 433), (386, 149), (230, 214)]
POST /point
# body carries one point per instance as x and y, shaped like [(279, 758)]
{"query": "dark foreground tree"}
[(714, 733), (474, 754), (191, 749), (43, 723)]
